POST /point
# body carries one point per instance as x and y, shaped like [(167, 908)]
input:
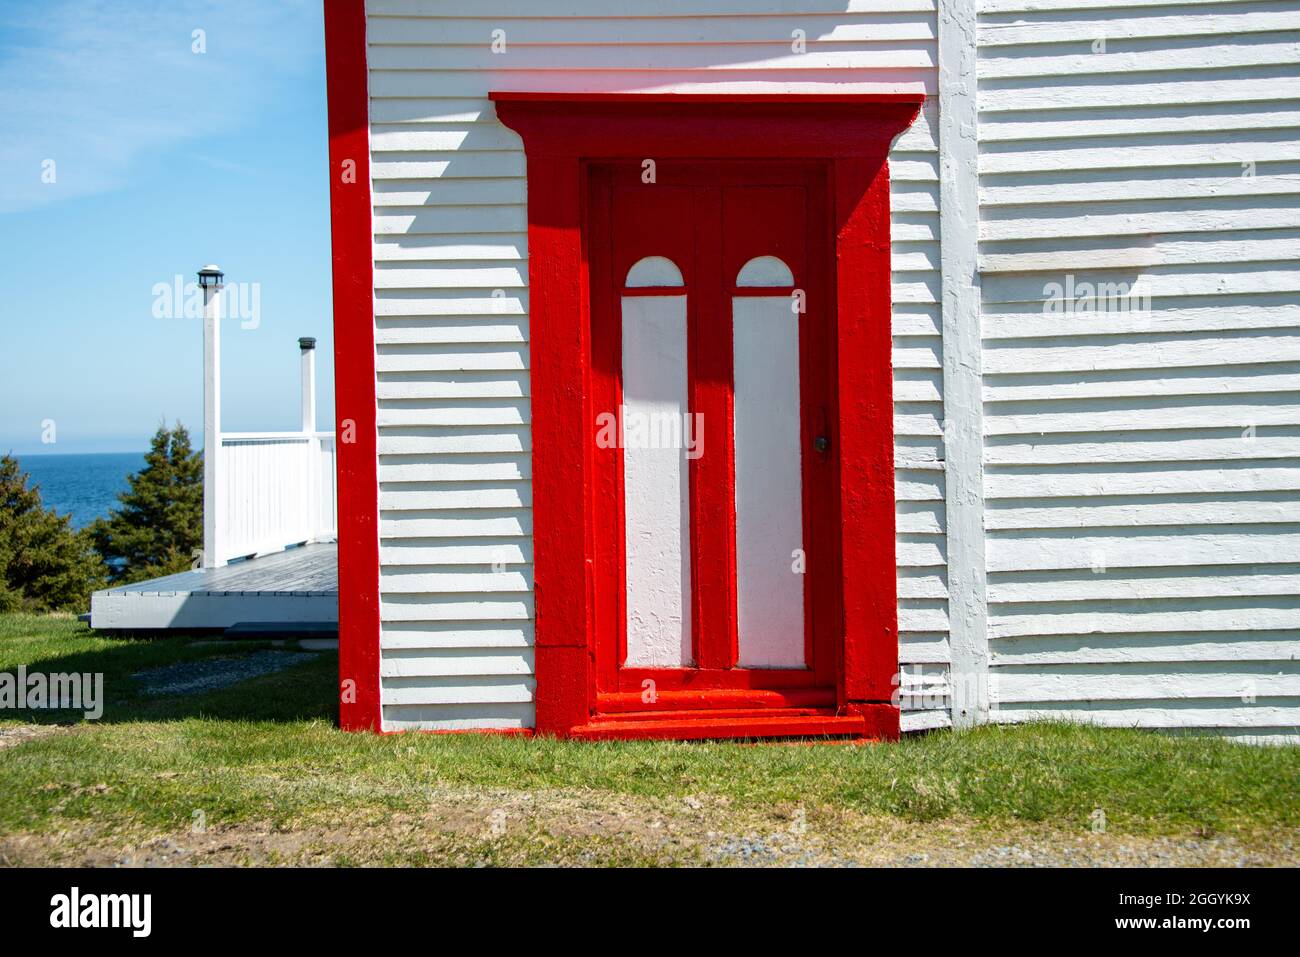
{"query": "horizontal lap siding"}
[(451, 303), (1142, 468)]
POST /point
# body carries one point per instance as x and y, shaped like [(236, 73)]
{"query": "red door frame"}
[(852, 134)]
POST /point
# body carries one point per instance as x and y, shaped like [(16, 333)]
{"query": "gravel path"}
[(197, 677)]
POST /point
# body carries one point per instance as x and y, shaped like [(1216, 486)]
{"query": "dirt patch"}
[(565, 828), (13, 735)]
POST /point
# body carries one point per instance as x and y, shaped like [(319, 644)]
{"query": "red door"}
[(716, 583)]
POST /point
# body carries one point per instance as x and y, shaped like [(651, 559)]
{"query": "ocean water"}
[(84, 485)]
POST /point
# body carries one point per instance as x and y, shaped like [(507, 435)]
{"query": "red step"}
[(695, 714), (609, 703), (736, 723)]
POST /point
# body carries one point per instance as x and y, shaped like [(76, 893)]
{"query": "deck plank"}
[(296, 586), (310, 569)]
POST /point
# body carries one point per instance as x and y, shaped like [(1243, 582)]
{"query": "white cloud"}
[(95, 85)]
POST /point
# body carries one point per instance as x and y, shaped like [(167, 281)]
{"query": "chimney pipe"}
[(308, 346)]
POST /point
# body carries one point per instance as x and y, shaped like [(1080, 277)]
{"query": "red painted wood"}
[(711, 219), (496, 732), (865, 432), (823, 608), (663, 215), (716, 712), (621, 702), (563, 697), (850, 134), (354, 365), (689, 726), (761, 291), (792, 223), (695, 679), (713, 474), (882, 720), (653, 291), (607, 398), (564, 445), (641, 126), (716, 99)]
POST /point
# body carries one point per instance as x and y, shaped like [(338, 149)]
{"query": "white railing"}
[(262, 491), (277, 490)]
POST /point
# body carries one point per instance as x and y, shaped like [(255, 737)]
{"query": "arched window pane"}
[(765, 271), (654, 271)]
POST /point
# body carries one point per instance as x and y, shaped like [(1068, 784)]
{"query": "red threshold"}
[(870, 723)]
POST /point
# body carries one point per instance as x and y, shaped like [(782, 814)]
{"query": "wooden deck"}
[(297, 586)]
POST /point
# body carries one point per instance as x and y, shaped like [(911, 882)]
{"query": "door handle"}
[(821, 443)]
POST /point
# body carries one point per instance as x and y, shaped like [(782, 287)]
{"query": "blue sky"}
[(164, 159)]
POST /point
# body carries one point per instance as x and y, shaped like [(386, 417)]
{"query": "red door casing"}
[(713, 382), (665, 597)]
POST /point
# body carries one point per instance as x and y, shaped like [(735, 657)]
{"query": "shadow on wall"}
[(471, 192)]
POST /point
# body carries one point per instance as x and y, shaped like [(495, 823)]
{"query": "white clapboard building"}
[(738, 368)]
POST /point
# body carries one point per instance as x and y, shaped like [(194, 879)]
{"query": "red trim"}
[(821, 474), (725, 724), (830, 127), (761, 291), (354, 364), (851, 135), (882, 720), (654, 291), (725, 99), (713, 474), (766, 698), (495, 732), (672, 679), (866, 455), (563, 442), (607, 396)]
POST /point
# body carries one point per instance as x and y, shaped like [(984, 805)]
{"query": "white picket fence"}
[(277, 489)]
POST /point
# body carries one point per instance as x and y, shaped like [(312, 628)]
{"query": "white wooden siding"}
[(1142, 469), (451, 290)]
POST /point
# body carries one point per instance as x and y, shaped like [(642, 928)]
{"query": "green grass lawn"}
[(264, 756)]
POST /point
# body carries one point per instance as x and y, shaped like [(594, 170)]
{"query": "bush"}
[(45, 564), (158, 528)]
